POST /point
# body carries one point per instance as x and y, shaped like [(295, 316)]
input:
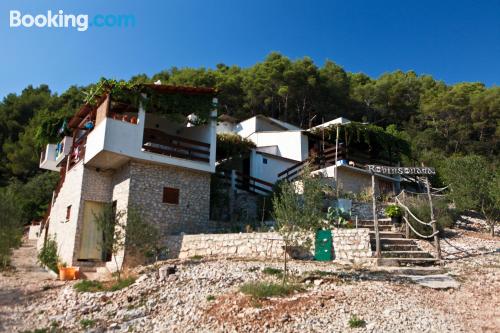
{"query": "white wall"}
[(126, 139), (246, 127), (226, 127), (291, 144), (267, 172), (65, 231)]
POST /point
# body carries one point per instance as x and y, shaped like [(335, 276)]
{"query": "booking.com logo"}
[(59, 19)]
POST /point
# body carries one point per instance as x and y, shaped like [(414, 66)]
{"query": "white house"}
[(128, 157), (282, 150)]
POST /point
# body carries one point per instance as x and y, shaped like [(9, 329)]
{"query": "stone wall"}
[(191, 215), (348, 244), (364, 210)]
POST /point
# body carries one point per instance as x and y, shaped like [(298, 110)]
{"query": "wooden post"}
[(434, 227), (375, 219), (407, 227)]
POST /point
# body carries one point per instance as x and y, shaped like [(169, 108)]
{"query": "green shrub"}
[(89, 286), (265, 289), (273, 271), (355, 322), (210, 298), (96, 286), (393, 211), (124, 283), (87, 323), (420, 208), (48, 254)]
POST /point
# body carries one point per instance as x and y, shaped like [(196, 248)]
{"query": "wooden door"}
[(91, 237)]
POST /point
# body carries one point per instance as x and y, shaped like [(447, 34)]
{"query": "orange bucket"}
[(67, 273)]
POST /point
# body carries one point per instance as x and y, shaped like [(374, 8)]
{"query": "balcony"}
[(53, 154), (120, 137)]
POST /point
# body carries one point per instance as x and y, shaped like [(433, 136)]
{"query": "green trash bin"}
[(323, 245)]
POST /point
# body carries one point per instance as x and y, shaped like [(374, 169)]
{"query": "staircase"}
[(396, 250)]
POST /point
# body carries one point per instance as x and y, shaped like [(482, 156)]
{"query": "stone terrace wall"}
[(348, 244)]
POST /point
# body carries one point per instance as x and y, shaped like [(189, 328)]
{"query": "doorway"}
[(91, 238)]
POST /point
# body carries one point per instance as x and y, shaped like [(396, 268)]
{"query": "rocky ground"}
[(183, 301)]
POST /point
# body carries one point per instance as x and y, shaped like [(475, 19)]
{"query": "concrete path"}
[(439, 281)]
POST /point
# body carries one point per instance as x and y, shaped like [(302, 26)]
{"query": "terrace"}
[(114, 132)]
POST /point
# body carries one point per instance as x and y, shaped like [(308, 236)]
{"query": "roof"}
[(228, 118), (338, 121), (277, 157)]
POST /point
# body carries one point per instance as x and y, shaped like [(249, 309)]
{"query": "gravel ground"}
[(386, 303)]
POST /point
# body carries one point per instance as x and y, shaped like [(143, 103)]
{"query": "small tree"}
[(127, 229), (475, 185), (298, 211), (112, 226)]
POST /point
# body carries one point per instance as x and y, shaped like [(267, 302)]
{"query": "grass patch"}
[(355, 322), (196, 257), (273, 271), (210, 298), (122, 284), (266, 289), (87, 323), (89, 286), (96, 286)]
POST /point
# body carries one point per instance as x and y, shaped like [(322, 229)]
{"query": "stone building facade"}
[(135, 184)]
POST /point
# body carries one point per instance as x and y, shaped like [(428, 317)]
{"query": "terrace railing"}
[(159, 142)]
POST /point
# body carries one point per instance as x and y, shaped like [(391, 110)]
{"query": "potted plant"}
[(394, 212)]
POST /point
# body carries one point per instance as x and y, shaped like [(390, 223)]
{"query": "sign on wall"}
[(386, 170)]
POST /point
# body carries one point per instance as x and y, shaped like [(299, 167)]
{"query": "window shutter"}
[(171, 195)]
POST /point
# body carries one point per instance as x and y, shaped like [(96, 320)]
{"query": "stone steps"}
[(396, 249), (387, 234), (406, 254), (406, 261)]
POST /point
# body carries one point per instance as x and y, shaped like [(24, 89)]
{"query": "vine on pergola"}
[(172, 104)]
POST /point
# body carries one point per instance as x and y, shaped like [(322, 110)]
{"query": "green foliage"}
[(393, 211), (48, 255), (231, 145), (121, 284), (273, 271), (298, 206), (474, 185), (87, 323), (96, 286), (210, 298), (11, 227), (389, 145), (127, 228), (356, 322), (174, 104), (336, 217), (266, 289), (88, 286), (419, 206)]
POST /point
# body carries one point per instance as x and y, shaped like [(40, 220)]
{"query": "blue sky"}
[(453, 41)]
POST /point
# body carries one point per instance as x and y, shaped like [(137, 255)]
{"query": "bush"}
[(273, 271), (355, 322), (265, 289), (393, 211), (48, 254), (89, 286), (87, 323), (420, 208), (96, 286), (122, 284)]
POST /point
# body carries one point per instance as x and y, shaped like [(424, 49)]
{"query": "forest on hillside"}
[(436, 119)]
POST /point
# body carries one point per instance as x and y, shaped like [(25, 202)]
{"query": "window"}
[(264, 160), (68, 212), (171, 195)]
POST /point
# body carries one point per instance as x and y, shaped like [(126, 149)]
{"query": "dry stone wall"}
[(348, 244)]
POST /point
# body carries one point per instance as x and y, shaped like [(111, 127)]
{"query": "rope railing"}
[(412, 215), (416, 232)]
